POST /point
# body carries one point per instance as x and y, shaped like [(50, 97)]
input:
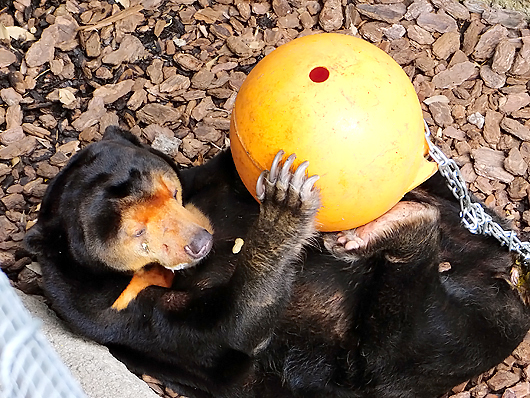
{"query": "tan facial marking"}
[(157, 275), (158, 228)]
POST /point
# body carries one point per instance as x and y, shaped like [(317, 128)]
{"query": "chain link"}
[(473, 215)]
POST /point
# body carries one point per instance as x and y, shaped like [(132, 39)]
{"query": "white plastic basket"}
[(29, 366)]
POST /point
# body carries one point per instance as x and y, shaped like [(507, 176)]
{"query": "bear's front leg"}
[(267, 261)]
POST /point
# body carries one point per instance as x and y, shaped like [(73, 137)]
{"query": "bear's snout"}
[(200, 245)]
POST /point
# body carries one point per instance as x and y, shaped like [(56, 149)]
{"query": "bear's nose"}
[(200, 245)]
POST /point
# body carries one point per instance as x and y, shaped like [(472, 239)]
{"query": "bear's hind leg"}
[(402, 234)]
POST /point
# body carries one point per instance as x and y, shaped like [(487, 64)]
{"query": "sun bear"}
[(186, 277)]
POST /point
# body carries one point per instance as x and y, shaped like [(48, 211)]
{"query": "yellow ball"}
[(345, 106)]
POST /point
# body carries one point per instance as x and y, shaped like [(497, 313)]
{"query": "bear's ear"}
[(116, 133), (33, 241)]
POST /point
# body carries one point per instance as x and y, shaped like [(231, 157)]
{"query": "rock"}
[(202, 79), (455, 75), (373, 31), (492, 131), (14, 201), (281, 8), (489, 40), (93, 45), (10, 96), (7, 228), (217, 122), (4, 170), (243, 6), (191, 147), (41, 52), (291, 21), (46, 170), (522, 352), (514, 102), (19, 148), (489, 163), (419, 35), (484, 185), (63, 31), (208, 15), (168, 145), (390, 13), (153, 130), (503, 57), (176, 84), (188, 62), (35, 130), (425, 64), (455, 133), (61, 34), (471, 36), (14, 116), (207, 133), (28, 281), (159, 114), (521, 63), (7, 259), (352, 18), (12, 135), (514, 163), (515, 128), (131, 50), (476, 119), (453, 8), (331, 17), (34, 187), (468, 174), (502, 379), (459, 111), (417, 8), (154, 71), (396, 31), (261, 8), (137, 99), (95, 111), (518, 188), (441, 23), (446, 45), (492, 79), (463, 394), (521, 390), (238, 46), (112, 92), (313, 6), (507, 18), (202, 109), (441, 113), (6, 57)]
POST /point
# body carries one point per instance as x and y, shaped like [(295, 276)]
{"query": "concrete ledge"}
[(99, 373)]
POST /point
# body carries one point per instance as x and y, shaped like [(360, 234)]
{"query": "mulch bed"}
[(169, 71)]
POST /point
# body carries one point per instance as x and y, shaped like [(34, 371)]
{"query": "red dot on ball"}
[(319, 74)]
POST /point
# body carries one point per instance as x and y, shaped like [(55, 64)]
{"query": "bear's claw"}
[(282, 184)]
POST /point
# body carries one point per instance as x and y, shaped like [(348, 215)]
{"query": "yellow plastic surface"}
[(360, 127)]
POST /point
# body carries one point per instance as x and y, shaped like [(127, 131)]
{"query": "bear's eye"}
[(175, 194), (139, 233)]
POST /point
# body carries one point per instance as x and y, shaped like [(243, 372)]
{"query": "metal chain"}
[(474, 218)]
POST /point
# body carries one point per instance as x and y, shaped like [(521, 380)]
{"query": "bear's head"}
[(118, 204)]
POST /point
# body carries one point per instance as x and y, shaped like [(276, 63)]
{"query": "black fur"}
[(283, 318)]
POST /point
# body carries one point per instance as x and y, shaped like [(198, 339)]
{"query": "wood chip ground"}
[(169, 70)]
